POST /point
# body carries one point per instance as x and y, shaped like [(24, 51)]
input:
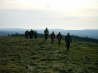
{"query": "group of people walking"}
[(30, 34), (33, 34), (59, 37)]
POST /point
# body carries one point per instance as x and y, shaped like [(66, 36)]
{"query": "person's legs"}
[(45, 37), (51, 40), (59, 42), (68, 46)]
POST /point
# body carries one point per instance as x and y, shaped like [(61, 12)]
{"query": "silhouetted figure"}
[(31, 34), (35, 34), (27, 34), (52, 37), (59, 37), (46, 33), (68, 40)]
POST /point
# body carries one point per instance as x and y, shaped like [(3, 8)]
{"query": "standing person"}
[(27, 34), (59, 37), (35, 34), (31, 34), (68, 40), (46, 33), (52, 37)]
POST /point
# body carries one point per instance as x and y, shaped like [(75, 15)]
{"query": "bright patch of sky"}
[(55, 14)]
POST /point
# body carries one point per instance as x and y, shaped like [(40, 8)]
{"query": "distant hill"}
[(82, 33), (2, 33), (5, 32)]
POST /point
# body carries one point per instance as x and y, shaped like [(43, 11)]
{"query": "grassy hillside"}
[(19, 55)]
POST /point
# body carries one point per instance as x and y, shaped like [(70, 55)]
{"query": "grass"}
[(20, 55)]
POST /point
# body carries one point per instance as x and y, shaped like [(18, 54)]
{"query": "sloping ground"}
[(19, 55)]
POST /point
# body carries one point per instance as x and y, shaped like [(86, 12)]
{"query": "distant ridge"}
[(83, 33)]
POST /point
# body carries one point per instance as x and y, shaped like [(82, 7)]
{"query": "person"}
[(68, 40), (27, 34), (46, 33), (59, 37), (31, 34), (52, 37), (35, 34)]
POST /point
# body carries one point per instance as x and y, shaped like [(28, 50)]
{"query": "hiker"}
[(46, 33), (31, 34), (68, 40), (59, 37), (35, 34), (52, 37), (27, 34)]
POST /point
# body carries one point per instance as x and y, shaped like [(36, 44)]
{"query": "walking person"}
[(52, 37), (68, 41), (35, 34), (31, 34), (27, 34), (46, 33), (59, 37)]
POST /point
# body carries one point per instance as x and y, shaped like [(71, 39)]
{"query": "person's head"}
[(53, 32), (31, 30), (46, 28), (68, 34)]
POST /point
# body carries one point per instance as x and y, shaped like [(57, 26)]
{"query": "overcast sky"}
[(54, 14)]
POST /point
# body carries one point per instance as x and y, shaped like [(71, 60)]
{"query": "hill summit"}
[(20, 55)]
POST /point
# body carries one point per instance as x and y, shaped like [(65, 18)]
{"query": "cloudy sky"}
[(54, 14)]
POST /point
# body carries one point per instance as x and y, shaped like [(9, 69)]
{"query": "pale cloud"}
[(48, 4), (65, 7), (42, 19), (63, 14)]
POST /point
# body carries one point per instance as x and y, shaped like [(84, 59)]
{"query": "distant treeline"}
[(74, 37)]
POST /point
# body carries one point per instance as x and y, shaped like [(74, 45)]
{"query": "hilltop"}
[(20, 55)]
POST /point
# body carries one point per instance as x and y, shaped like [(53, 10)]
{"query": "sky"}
[(54, 14)]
